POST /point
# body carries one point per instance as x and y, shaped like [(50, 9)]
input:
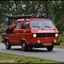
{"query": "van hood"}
[(45, 31)]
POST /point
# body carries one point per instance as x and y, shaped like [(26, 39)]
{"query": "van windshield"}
[(42, 24)]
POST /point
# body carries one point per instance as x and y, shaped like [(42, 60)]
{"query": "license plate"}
[(47, 44)]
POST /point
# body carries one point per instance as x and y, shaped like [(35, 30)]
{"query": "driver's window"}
[(25, 25)]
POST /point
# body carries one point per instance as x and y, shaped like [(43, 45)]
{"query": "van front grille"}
[(45, 35)]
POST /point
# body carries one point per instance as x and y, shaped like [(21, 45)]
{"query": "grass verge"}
[(10, 58)]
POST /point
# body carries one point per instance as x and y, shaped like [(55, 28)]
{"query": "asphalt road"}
[(57, 54)]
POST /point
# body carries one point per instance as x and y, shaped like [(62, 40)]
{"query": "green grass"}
[(10, 58)]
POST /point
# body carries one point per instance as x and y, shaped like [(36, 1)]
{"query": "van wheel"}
[(7, 45), (50, 48), (24, 47)]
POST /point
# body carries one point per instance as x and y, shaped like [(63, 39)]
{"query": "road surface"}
[(57, 54)]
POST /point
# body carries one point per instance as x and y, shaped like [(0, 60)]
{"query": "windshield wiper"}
[(47, 26), (36, 26)]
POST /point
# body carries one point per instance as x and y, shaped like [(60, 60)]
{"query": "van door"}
[(17, 34), (26, 31)]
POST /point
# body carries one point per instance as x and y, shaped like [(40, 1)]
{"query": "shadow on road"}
[(32, 50)]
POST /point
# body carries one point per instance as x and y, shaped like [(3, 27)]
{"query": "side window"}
[(25, 25), (18, 25)]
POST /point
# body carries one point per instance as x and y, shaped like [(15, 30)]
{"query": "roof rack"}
[(18, 16), (26, 16)]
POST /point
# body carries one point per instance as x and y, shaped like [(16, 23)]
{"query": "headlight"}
[(34, 35), (56, 35)]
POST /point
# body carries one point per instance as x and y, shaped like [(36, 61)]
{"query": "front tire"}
[(50, 48), (24, 46), (7, 44)]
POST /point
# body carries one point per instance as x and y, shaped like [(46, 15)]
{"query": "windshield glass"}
[(42, 24)]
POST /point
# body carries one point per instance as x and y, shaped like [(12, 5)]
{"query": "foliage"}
[(61, 39)]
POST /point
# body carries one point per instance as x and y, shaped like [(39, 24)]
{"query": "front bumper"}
[(56, 44), (39, 45)]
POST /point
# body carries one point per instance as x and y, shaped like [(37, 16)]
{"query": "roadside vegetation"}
[(10, 58), (61, 40)]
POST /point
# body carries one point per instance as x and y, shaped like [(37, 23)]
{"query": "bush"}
[(61, 39), (60, 26)]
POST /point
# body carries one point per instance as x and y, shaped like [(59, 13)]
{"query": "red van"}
[(31, 31)]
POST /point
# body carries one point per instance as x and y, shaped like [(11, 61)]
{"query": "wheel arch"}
[(6, 39), (23, 41)]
